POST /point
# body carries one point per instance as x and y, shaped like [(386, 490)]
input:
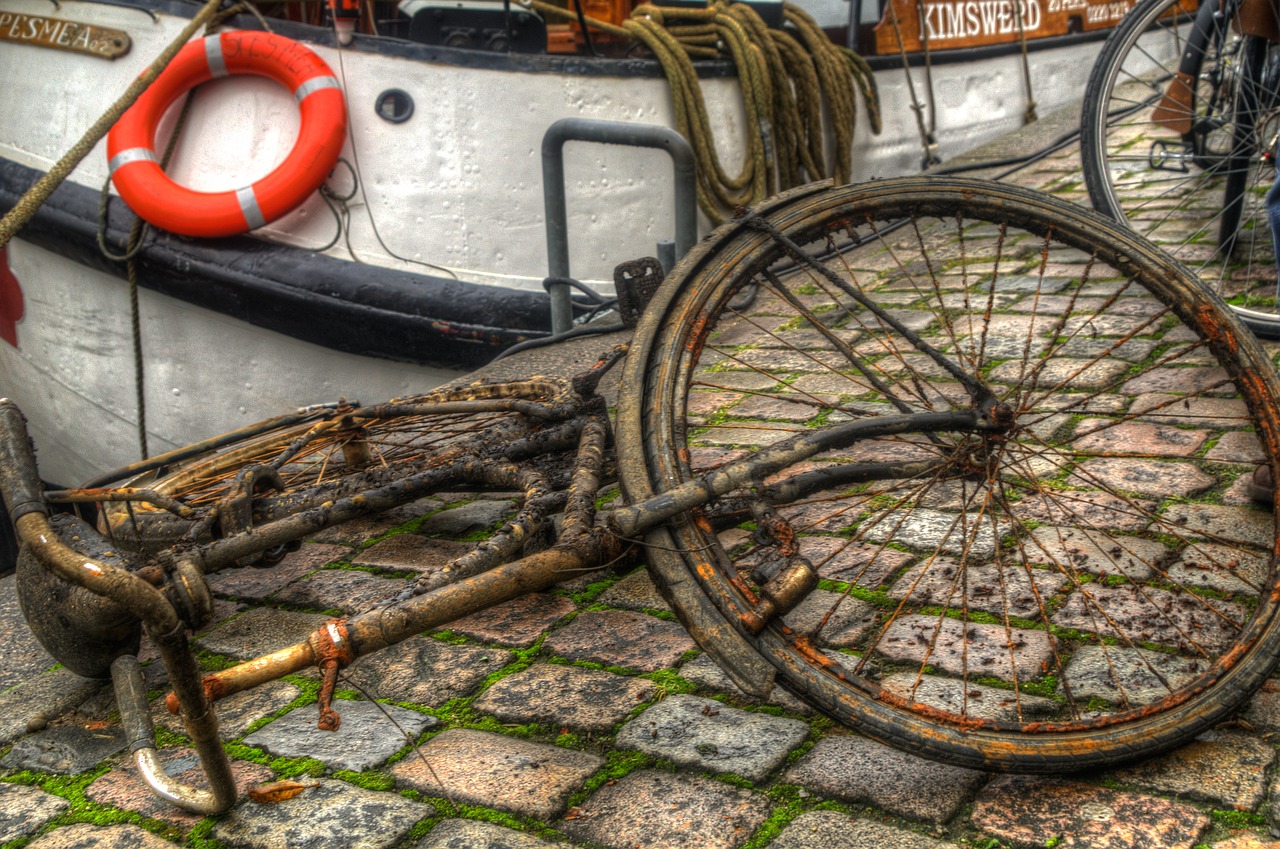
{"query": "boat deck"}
[(584, 716)]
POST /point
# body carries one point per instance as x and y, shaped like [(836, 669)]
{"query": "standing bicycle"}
[(1178, 139)]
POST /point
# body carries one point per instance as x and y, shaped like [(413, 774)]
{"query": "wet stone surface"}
[(658, 810), (426, 671), (621, 638), (1122, 675), (860, 771), (368, 734), (1151, 478), (480, 768), (1025, 810), (565, 697), (709, 735), (991, 651), (330, 814), (65, 749), (831, 830), (23, 810)]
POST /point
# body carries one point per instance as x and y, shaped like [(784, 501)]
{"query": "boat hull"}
[(435, 256)]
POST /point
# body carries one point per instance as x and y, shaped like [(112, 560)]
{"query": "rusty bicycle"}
[(951, 460)]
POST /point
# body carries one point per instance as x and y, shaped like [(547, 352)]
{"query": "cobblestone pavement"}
[(582, 716)]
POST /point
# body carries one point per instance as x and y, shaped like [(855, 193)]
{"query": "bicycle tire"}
[(1186, 190), (716, 378)]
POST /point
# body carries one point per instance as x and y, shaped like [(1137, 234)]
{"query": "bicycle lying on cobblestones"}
[(953, 461), (1178, 140)]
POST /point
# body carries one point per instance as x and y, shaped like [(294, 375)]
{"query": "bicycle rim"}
[(344, 452), (1198, 194), (1069, 592)]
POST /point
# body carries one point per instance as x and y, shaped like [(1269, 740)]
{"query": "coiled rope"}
[(786, 77)]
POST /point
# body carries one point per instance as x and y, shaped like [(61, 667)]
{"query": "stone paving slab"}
[(621, 638), (329, 814), (831, 830), (861, 771), (506, 773), (1226, 770), (1035, 811), (468, 834), (426, 671), (705, 734), (124, 787), (659, 810), (567, 697), (368, 734), (82, 836), (23, 810)]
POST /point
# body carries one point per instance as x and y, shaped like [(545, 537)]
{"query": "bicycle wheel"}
[(1058, 588), (1173, 128), (343, 451)]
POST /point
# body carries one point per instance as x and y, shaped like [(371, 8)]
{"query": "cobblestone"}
[(1225, 770), (830, 830), (565, 697), (861, 771), (657, 810), (1034, 811), (621, 638), (23, 810), (368, 734), (426, 671), (709, 735), (479, 768), (329, 814)]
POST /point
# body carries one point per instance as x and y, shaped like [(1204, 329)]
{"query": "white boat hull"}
[(458, 186)]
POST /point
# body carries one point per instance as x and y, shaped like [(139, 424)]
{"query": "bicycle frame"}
[(169, 600)]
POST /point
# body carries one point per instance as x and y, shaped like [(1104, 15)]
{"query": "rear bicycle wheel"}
[(343, 452), (1068, 590), (1172, 127)]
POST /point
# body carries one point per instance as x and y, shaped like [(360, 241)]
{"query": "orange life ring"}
[(157, 199)]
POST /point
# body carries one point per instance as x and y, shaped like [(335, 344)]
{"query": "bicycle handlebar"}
[(19, 482)]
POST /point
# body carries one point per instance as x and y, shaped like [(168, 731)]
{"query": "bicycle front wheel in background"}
[(1174, 126), (1073, 583)]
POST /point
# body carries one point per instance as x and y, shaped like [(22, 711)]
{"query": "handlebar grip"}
[(19, 481)]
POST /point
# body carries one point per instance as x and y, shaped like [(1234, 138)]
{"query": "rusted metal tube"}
[(630, 521), (21, 487), (378, 629), (135, 717)]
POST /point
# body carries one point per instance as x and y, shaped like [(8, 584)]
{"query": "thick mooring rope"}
[(786, 76)]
